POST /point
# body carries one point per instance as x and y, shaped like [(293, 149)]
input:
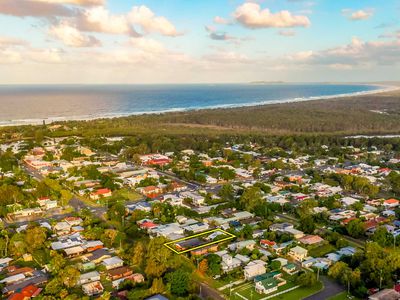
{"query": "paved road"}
[(331, 288)]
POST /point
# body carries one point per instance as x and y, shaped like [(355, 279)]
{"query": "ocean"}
[(32, 104)]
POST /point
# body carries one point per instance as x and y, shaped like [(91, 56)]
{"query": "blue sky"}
[(182, 41)]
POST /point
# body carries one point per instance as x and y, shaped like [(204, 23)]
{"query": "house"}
[(290, 269), (27, 292), (391, 203), (93, 288), (89, 277), (254, 268), (249, 244), (119, 273), (386, 294), (311, 240), (97, 256), (62, 228), (100, 193), (229, 263), (74, 251), (347, 201), (113, 262), (91, 246), (267, 243), (266, 286), (298, 253)]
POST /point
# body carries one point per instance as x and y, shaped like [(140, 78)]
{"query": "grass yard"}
[(321, 250), (123, 195), (247, 291), (300, 293)]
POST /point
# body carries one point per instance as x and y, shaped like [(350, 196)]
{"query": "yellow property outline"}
[(230, 236)]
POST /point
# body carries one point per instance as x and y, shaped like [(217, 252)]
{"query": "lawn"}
[(300, 293), (321, 250), (247, 291), (123, 195)]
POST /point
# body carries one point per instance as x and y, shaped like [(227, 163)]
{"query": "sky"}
[(198, 41)]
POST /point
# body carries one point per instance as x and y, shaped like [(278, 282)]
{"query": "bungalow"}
[(100, 193), (97, 256), (311, 240), (93, 288), (74, 251), (298, 253), (89, 277), (91, 246), (28, 292), (62, 228), (254, 268), (113, 262), (266, 286), (347, 201), (267, 243), (290, 269), (391, 203), (119, 273), (204, 250), (229, 263)]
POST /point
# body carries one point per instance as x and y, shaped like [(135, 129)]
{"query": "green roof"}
[(290, 266), (266, 276), (269, 283)]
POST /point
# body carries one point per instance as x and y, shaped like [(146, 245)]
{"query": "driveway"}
[(331, 288)]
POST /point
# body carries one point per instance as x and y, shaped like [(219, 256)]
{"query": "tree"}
[(381, 236), (214, 264), (355, 228), (57, 262), (69, 276), (138, 254), (338, 269), (251, 197), (53, 287), (307, 224), (157, 287), (35, 238), (159, 258), (275, 265), (307, 279), (179, 281)]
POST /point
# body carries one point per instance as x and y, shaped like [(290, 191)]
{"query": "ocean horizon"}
[(33, 104)]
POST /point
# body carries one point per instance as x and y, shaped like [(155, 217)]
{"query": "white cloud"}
[(150, 23), (99, 19), (147, 45), (220, 20), (357, 54), (252, 16), (72, 37), (359, 14), (8, 56)]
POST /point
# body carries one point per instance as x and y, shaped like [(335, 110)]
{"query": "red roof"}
[(391, 201), (148, 224), (102, 191), (267, 243)]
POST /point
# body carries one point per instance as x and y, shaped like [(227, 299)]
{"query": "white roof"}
[(112, 261)]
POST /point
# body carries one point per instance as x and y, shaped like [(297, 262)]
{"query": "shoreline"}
[(381, 88)]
